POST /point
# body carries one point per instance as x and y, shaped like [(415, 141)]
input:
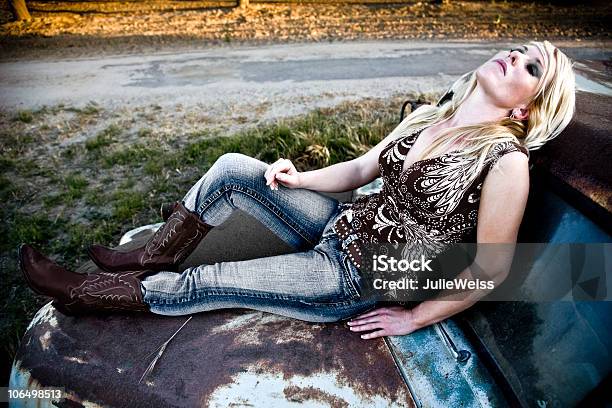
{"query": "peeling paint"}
[(301, 394), (44, 315), (297, 391), (240, 322), (76, 360), (101, 358), (44, 340)]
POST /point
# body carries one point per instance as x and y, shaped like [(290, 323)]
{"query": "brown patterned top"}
[(428, 206)]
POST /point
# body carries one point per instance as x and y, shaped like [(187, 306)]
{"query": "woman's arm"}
[(503, 199), (345, 176), (339, 177)]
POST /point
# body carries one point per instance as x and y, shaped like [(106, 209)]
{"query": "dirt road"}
[(252, 84)]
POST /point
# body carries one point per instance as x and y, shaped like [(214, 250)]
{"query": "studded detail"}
[(349, 239)]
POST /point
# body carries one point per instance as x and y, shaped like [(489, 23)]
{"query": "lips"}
[(503, 65)]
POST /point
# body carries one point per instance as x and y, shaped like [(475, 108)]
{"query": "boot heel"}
[(23, 273)]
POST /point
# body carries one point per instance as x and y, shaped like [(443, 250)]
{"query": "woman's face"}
[(510, 78)]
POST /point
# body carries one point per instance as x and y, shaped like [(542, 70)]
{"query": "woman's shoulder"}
[(509, 162), (514, 154), (503, 148), (508, 159)]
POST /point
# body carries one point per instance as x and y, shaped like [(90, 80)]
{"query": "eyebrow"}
[(537, 59)]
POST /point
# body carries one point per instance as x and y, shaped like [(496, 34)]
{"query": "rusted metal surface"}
[(593, 76), (218, 359), (437, 378), (580, 155), (223, 358)]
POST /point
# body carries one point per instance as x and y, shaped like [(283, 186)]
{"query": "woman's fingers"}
[(373, 335), (284, 177), (359, 322), (367, 327), (376, 330), (270, 167), (269, 171), (282, 168), (374, 312), (289, 179)]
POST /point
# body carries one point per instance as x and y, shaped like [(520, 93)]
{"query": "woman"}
[(452, 173)]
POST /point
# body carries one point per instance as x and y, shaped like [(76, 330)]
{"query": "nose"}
[(515, 57)]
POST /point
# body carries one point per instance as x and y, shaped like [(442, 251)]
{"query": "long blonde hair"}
[(550, 111)]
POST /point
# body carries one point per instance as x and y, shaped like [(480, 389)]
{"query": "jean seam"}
[(269, 296), (348, 277), (250, 192)]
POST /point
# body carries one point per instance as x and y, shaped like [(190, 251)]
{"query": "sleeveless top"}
[(428, 206)]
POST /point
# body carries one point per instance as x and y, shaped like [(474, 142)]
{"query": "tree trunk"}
[(20, 10)]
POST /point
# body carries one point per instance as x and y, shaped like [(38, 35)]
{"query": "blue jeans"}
[(318, 284)]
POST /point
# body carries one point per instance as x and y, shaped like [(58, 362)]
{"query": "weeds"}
[(76, 185), (132, 155), (127, 204), (144, 132), (24, 116), (36, 228), (104, 138)]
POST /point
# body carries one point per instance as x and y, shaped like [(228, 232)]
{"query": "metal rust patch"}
[(232, 356)]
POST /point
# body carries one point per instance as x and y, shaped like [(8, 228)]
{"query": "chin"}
[(490, 85), (485, 79)]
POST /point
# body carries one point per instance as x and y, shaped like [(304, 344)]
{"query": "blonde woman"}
[(458, 172)]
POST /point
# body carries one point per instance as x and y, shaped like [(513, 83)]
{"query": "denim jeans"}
[(319, 283)]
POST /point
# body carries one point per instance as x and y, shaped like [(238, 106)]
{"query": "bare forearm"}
[(449, 303), (397, 320), (433, 311), (345, 176)]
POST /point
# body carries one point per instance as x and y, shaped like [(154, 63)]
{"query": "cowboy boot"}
[(76, 293), (165, 250), (167, 209)]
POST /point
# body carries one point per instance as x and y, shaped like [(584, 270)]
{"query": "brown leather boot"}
[(167, 209), (76, 293), (166, 249)]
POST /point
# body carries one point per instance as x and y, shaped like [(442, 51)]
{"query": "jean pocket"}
[(329, 230), (351, 276)]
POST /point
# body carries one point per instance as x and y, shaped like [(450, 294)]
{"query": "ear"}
[(520, 113)]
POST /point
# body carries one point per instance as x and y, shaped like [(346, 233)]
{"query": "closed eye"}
[(531, 68)]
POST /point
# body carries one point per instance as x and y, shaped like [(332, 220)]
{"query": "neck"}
[(477, 108)]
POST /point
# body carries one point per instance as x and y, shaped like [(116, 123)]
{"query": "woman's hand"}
[(385, 321), (282, 171)]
